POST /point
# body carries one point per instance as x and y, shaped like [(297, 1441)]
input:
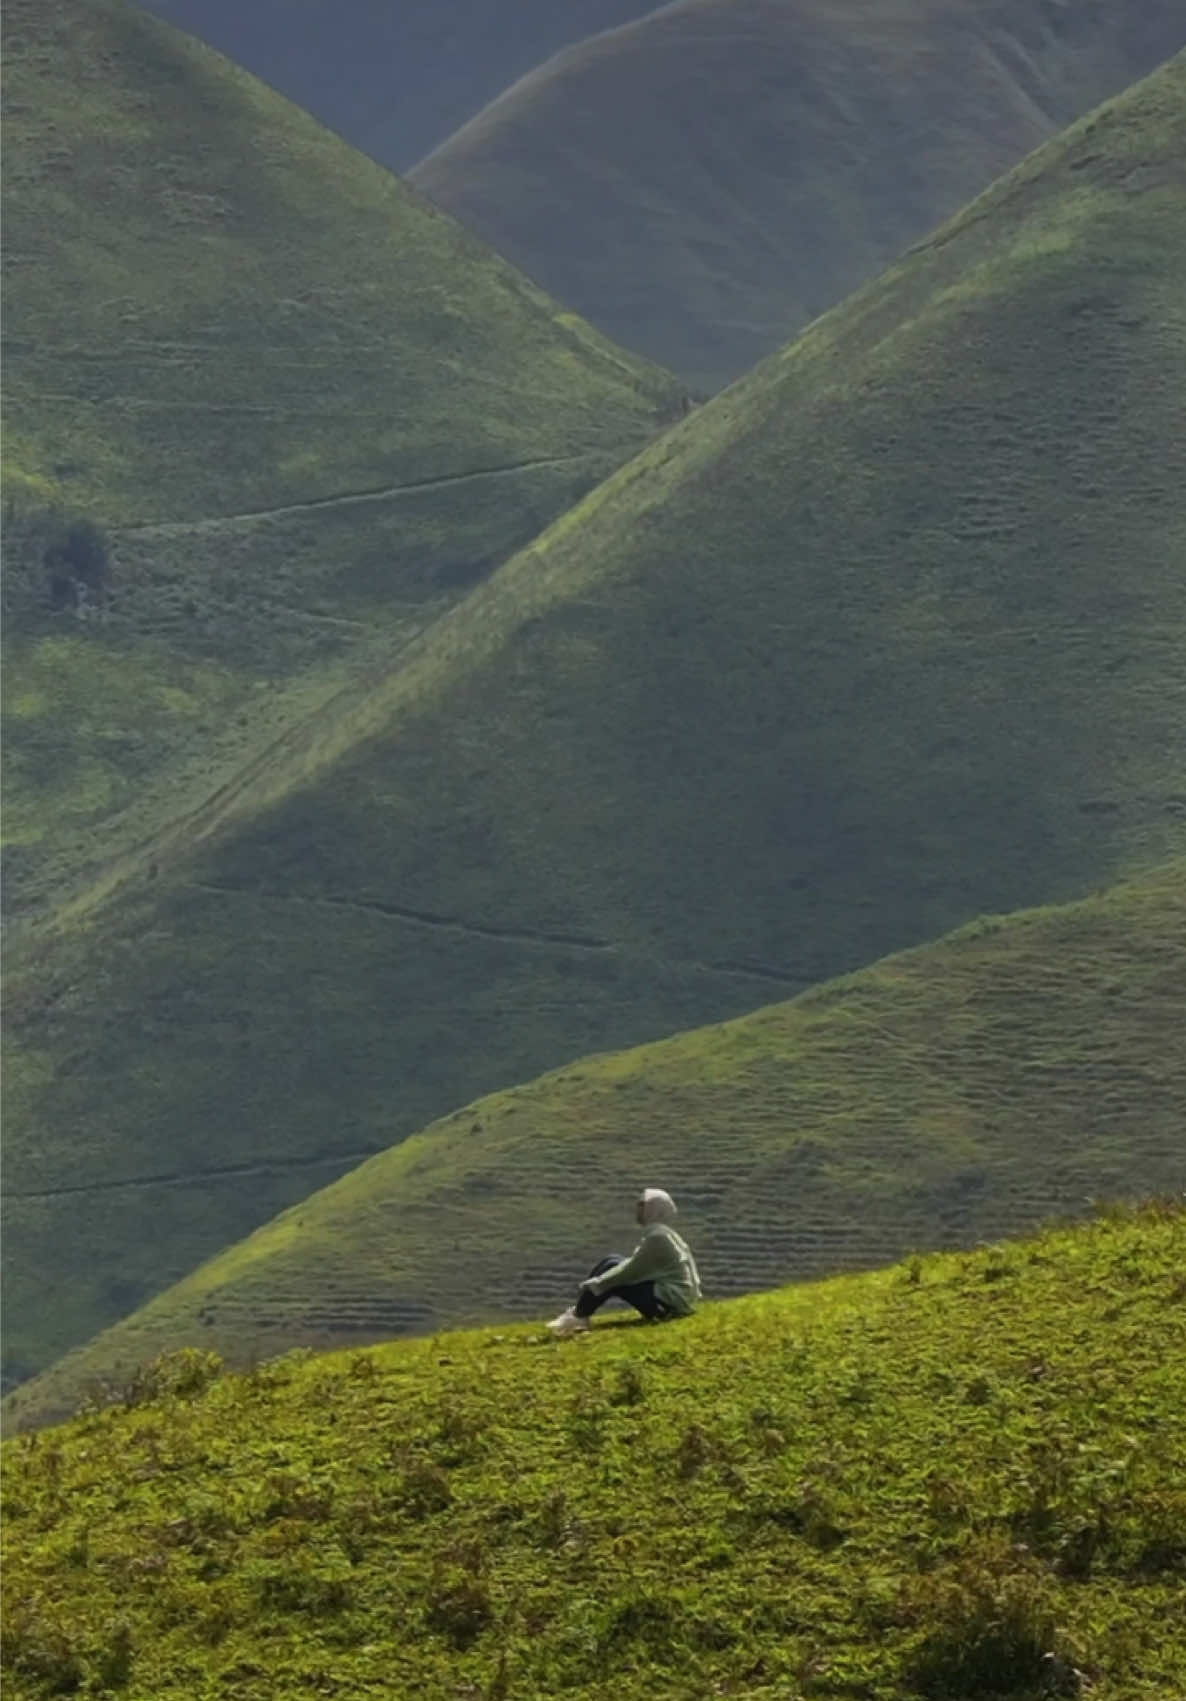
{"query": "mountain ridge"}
[(705, 180), (391, 85)]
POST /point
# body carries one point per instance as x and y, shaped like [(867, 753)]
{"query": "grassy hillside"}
[(394, 81), (957, 1478), (703, 181), (947, 1095), (305, 409), (887, 636)]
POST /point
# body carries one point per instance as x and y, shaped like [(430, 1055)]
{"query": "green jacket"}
[(662, 1256)]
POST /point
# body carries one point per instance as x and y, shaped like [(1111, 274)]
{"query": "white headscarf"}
[(657, 1206)]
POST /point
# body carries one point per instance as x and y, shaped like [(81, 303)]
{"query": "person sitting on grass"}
[(659, 1278)]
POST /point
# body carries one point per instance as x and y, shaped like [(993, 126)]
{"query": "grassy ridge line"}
[(221, 326), (959, 1477), (650, 591), (395, 84), (411, 673), (416, 675), (837, 136), (767, 700), (175, 732), (953, 1093)]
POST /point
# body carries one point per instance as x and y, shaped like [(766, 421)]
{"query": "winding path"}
[(348, 499)]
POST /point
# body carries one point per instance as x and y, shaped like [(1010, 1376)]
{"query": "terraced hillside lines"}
[(703, 181), (221, 1083), (955, 1093), (887, 636), (961, 1476), (307, 411)]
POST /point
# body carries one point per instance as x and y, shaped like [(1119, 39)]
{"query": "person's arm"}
[(650, 1257)]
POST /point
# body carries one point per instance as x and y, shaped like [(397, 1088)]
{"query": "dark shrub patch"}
[(989, 1627)]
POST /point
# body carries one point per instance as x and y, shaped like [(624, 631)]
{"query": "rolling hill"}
[(394, 81), (294, 411), (951, 1094), (887, 636), (703, 181), (959, 1478)]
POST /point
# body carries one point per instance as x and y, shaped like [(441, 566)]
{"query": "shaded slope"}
[(307, 409), (889, 635), (703, 181), (394, 81), (959, 1477), (951, 1094)]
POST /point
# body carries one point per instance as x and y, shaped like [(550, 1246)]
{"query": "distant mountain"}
[(703, 181), (305, 409), (394, 80), (887, 636), (951, 1094)]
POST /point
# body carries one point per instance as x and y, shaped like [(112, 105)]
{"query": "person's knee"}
[(604, 1264)]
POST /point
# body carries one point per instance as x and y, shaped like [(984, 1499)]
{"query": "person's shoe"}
[(568, 1323)]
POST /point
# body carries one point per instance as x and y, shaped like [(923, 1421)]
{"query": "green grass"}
[(951, 1094), (957, 1478), (308, 410), (887, 636), (218, 306), (703, 181)]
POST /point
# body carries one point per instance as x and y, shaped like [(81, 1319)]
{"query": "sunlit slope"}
[(704, 180), (958, 1478), (307, 408), (889, 635), (947, 1095)]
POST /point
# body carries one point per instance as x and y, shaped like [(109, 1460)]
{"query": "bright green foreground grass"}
[(962, 1477), (950, 1094), (887, 636), (308, 409)]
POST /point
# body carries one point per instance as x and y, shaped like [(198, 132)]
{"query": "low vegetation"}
[(954, 1480)]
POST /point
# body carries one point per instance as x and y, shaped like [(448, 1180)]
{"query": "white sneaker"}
[(568, 1323)]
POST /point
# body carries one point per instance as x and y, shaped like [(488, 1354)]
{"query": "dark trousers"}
[(641, 1295)]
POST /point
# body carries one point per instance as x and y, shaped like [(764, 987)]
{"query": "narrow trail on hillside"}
[(511, 935), (404, 915), (204, 816), (419, 918), (346, 499), (185, 1178)]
